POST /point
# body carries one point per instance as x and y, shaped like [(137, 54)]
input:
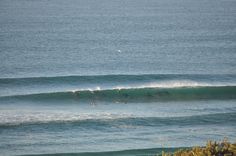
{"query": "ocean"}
[(116, 77)]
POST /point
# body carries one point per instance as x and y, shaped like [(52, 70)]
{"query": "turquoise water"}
[(115, 77)]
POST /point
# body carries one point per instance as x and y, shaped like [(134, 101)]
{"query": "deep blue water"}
[(115, 77)]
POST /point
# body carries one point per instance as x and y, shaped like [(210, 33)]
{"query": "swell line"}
[(38, 85), (117, 77), (135, 94), (129, 122)]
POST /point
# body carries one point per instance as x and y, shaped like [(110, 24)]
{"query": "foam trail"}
[(108, 119)]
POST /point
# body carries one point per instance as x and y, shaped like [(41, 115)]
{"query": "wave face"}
[(136, 94), (120, 88), (29, 85)]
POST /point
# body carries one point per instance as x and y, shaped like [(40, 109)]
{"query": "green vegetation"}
[(223, 148)]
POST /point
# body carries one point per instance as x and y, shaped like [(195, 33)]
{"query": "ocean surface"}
[(115, 77)]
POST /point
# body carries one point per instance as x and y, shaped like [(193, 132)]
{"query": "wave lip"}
[(136, 94), (37, 85)]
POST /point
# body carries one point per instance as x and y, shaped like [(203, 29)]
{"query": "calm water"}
[(80, 76)]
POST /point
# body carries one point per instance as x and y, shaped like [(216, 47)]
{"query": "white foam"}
[(169, 84), (22, 117), (161, 84), (177, 84)]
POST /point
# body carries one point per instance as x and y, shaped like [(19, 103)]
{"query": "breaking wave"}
[(141, 94)]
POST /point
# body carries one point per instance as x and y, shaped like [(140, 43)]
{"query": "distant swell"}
[(136, 94), (115, 78)]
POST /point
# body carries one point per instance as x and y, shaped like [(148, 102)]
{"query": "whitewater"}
[(115, 77)]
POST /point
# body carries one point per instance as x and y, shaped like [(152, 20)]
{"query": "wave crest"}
[(136, 94)]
